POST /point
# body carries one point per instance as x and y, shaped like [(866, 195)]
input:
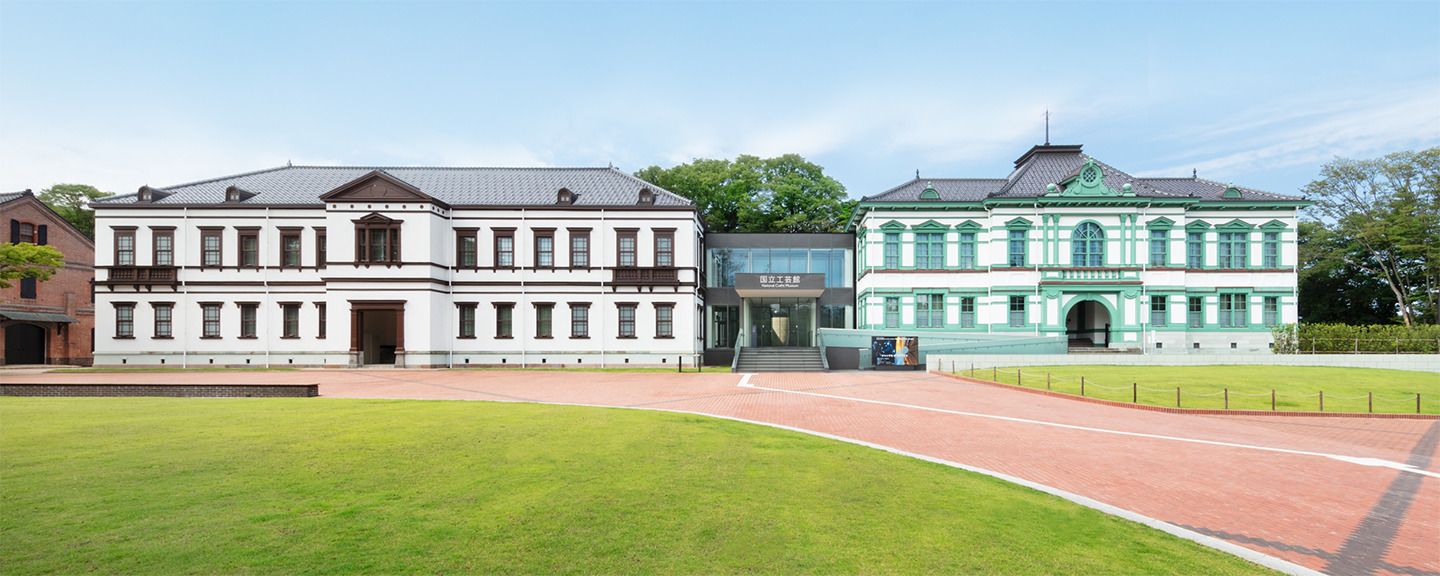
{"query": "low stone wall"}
[(1413, 362), (164, 390)]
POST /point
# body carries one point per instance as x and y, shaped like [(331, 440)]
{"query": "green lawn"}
[(291, 486), (1297, 388)]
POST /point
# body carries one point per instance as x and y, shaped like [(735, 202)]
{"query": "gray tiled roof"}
[(950, 190), (303, 186), (11, 196), (1045, 165)]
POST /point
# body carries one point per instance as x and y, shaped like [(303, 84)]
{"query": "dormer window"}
[(148, 194), (1231, 192), (237, 194), (565, 197), (647, 196), (929, 193)]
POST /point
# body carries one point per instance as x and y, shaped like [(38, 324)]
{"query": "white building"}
[(1066, 245), (415, 267)]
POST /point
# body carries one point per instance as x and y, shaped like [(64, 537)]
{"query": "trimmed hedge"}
[(1347, 339)]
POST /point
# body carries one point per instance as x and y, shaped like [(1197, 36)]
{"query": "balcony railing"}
[(142, 274), (646, 276), (1098, 275)]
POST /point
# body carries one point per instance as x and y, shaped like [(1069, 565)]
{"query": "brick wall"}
[(67, 292), (164, 390)]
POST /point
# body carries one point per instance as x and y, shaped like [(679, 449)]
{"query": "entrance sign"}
[(763, 285), (895, 351)]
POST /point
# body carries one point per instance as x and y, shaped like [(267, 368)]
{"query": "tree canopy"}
[(1380, 219), (26, 260), (72, 202), (752, 194)]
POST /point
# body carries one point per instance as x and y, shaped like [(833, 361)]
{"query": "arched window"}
[(1087, 245)]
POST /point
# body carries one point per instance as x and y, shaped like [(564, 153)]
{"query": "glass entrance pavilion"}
[(772, 290)]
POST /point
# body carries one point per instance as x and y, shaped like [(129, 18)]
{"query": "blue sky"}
[(118, 94)]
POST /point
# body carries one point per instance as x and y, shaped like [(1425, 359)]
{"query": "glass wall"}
[(724, 263), (724, 326)]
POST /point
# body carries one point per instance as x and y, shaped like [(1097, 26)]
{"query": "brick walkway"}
[(1338, 495)]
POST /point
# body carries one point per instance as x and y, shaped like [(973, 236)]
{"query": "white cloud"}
[(1312, 132)]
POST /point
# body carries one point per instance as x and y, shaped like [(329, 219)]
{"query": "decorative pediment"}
[(1198, 225), (378, 186), (892, 226), (969, 226), (1273, 226), (1161, 223), (931, 226), (1018, 223), (376, 219), (1090, 181), (1236, 224)]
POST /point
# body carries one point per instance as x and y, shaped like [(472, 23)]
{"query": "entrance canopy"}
[(779, 285), (36, 316)]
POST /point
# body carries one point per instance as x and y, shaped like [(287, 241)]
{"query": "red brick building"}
[(50, 322)]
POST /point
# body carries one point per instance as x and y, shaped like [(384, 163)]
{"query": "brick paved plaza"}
[(1337, 495)]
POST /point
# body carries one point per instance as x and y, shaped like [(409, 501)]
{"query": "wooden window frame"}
[(124, 320), (622, 235), (544, 236), (298, 252), (253, 308), (461, 235), (504, 320), (206, 324), (626, 326), (164, 328), (124, 235), (322, 249), (664, 320), (664, 255), (465, 317), (168, 233), (500, 255), (242, 233)]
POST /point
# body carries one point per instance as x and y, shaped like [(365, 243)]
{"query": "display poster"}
[(895, 351)]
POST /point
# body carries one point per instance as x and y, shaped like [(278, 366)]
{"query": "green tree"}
[(26, 260), (72, 202), (1333, 291), (752, 194), (1386, 214)]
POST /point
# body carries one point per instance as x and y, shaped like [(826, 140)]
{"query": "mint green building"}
[(1070, 246)]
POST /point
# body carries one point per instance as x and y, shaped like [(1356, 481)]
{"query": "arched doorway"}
[(1088, 324), (24, 344)]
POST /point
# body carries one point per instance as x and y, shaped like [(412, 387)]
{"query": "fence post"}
[(1082, 386), (1357, 345), (1177, 396), (1018, 377), (1272, 399), (1322, 400), (1227, 398), (994, 373), (1047, 380), (1417, 402), (1372, 403), (680, 366), (1134, 393), (972, 369)]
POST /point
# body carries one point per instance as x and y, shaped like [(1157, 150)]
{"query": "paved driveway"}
[(1338, 495)]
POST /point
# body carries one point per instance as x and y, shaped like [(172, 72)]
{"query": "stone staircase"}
[(780, 360)]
